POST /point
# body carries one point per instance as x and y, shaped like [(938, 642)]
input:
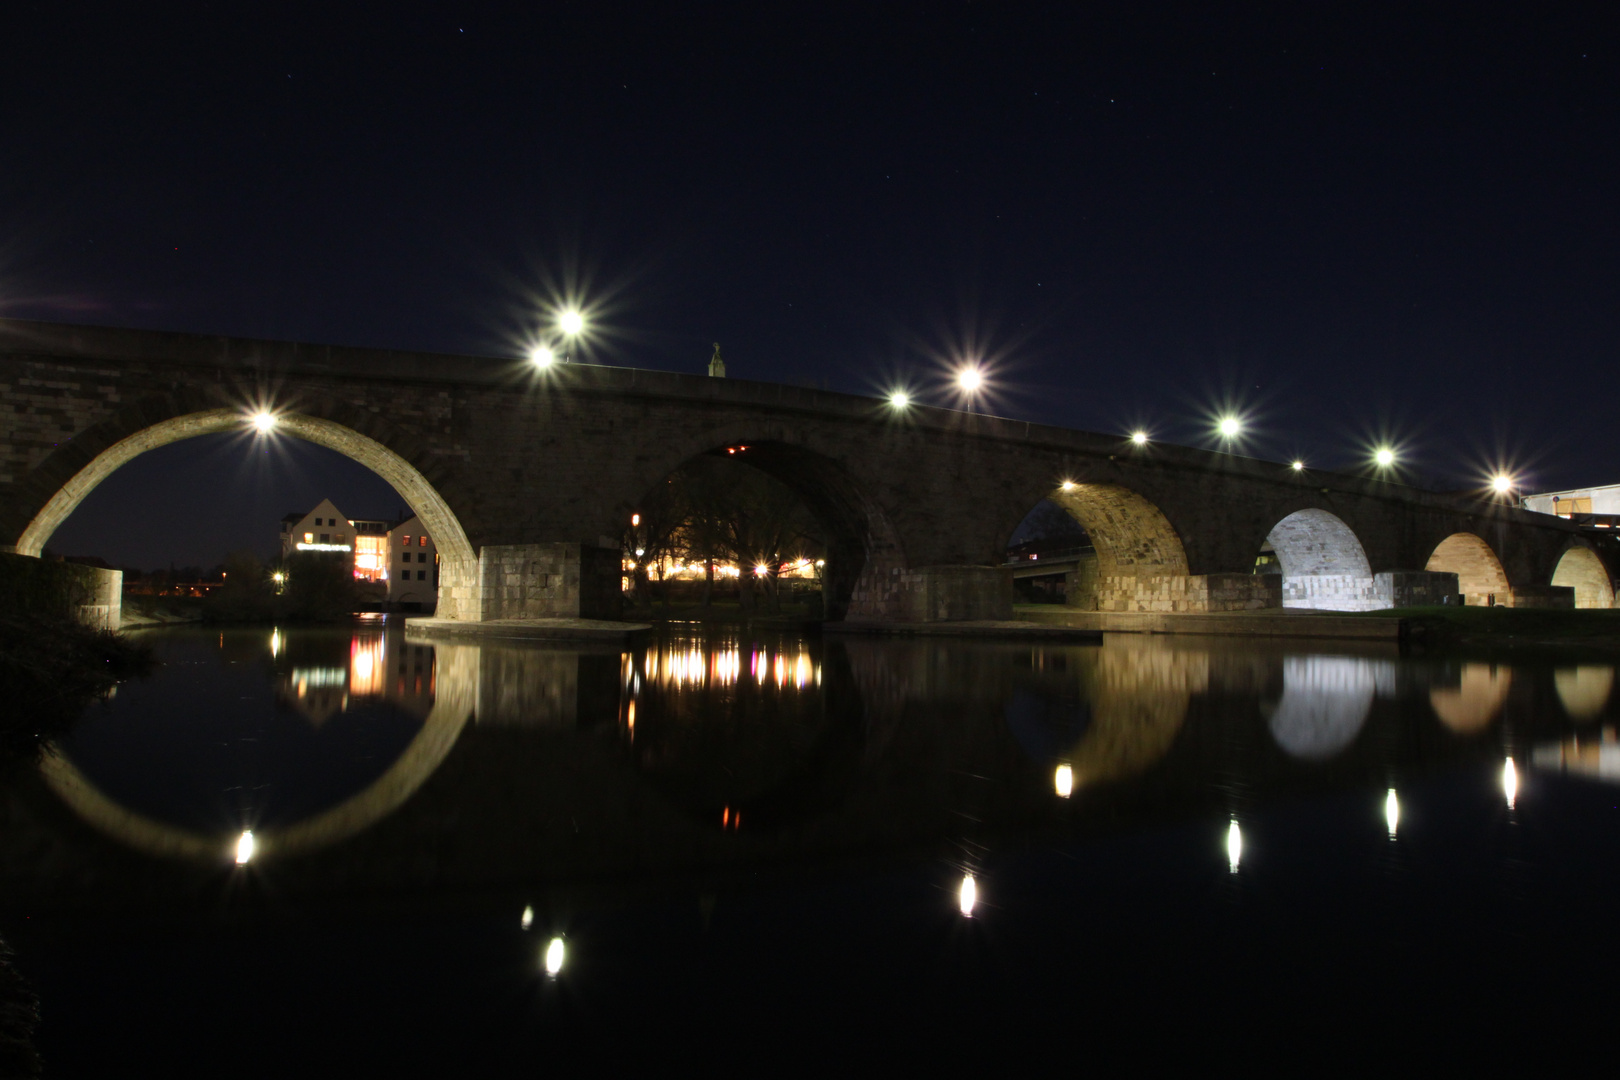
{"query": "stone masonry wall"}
[(1331, 592)]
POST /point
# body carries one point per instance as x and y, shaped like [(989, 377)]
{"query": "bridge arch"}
[(1581, 569), (458, 560), (1133, 541), (863, 550), (1479, 572), (1323, 563)]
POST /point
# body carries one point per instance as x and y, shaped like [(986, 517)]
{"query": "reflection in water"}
[(1325, 702), (1139, 690), (244, 847), (555, 952), (1597, 758), (1584, 690), (968, 895), (1392, 812), (1234, 846), (1063, 781), (1474, 704), (1510, 782), (690, 664), (526, 920)]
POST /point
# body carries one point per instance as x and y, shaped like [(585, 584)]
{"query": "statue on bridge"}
[(717, 366)]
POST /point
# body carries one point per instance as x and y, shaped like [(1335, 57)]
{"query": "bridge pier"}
[(533, 581)]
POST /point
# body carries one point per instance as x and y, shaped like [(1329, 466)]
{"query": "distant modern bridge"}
[(527, 478)]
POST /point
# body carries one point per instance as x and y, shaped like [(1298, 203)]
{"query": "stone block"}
[(1541, 596), (1332, 592), (1416, 588), (955, 593), (548, 581)]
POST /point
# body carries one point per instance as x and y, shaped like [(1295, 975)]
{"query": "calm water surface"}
[(1153, 845)]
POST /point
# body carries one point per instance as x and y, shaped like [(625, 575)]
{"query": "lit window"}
[(405, 540), (422, 540), (309, 538)]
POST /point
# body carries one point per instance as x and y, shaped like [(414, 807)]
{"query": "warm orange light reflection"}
[(366, 666)]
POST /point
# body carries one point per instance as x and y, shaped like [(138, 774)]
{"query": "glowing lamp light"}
[(555, 954), (635, 519), (1234, 846), (1385, 457), (968, 895), (970, 379), (542, 356), (1510, 782), (1063, 781), (528, 918), (264, 421), (1139, 438), (1392, 812), (899, 399), (571, 322), (1299, 466), (1229, 427), (1502, 484), (1067, 485), (244, 847)]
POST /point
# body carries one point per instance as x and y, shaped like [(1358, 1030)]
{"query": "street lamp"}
[(1501, 483), (542, 356), (1384, 457), (1230, 427), (899, 400), (1140, 438), (264, 421), (970, 379)]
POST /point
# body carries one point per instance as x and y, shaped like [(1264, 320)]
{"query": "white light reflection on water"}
[(968, 895), (1063, 781), (1510, 782), (555, 954), (528, 918), (244, 847), (1392, 812), (1234, 846)]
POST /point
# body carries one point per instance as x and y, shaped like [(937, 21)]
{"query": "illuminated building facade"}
[(1597, 507), (401, 555)]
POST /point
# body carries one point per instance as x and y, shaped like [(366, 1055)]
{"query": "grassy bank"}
[(1509, 628)]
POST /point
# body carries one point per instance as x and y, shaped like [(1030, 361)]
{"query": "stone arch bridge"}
[(527, 478)]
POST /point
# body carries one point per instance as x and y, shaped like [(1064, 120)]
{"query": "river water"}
[(348, 851)]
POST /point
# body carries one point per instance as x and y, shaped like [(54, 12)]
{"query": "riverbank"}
[(50, 669), (1503, 629)]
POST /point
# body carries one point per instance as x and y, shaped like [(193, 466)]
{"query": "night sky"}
[(1350, 223)]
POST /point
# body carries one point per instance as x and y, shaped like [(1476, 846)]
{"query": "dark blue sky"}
[(1353, 222)]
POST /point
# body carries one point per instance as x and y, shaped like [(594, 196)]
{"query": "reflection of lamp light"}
[(244, 847), (1510, 782), (1392, 812), (968, 895), (1063, 781), (1234, 846), (554, 956), (528, 918)]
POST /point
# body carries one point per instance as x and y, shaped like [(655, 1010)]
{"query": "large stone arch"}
[(865, 556), (1139, 553), (1582, 570), (1479, 572), (458, 571), (1323, 563)]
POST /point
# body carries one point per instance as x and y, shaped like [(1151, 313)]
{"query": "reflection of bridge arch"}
[(1324, 705), (1479, 572), (1584, 690), (1582, 570), (458, 566), (1323, 564), (1139, 691), (1478, 697), (456, 683)]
